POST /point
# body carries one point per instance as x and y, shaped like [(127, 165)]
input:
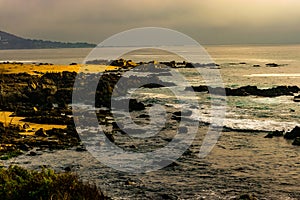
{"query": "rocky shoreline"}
[(45, 99)]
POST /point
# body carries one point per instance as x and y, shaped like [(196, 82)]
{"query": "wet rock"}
[(200, 88), (248, 90), (68, 169), (132, 146), (184, 113), (40, 133), (274, 134), (169, 196), (143, 116), (297, 98), (153, 85), (272, 65), (24, 147), (134, 105), (80, 149), (32, 153), (296, 142), (246, 197), (293, 134)]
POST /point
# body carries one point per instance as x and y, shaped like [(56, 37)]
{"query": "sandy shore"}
[(37, 69)]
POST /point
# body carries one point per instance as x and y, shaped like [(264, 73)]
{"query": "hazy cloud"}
[(208, 21)]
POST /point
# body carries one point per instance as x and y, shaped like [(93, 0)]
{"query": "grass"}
[(19, 183)]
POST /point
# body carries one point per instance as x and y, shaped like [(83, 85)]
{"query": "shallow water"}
[(240, 163)]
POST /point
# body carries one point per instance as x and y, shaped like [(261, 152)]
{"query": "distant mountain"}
[(10, 41)]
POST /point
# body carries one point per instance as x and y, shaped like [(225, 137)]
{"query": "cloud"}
[(208, 21)]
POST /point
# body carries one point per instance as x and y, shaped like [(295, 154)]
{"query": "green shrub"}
[(20, 183)]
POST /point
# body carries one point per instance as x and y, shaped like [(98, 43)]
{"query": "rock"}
[(246, 197), (153, 85), (40, 133), (272, 65), (169, 196), (184, 113), (132, 146), (249, 90), (110, 137), (297, 98), (274, 134), (80, 149), (293, 134), (32, 153), (24, 147), (134, 105), (68, 169), (26, 126), (256, 65), (200, 88), (143, 116), (296, 142)]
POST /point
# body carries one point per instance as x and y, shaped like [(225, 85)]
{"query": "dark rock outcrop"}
[(249, 90), (40, 133), (274, 134), (297, 98), (272, 65), (296, 142), (293, 134)]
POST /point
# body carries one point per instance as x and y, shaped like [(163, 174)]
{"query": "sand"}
[(35, 69), (7, 118)]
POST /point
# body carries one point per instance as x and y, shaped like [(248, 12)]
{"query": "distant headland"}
[(10, 41)]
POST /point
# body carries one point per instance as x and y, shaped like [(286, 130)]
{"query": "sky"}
[(206, 21)]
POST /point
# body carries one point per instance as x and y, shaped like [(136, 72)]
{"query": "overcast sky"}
[(207, 21)]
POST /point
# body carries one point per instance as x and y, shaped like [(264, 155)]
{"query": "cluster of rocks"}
[(291, 135), (129, 64), (248, 90), (12, 141), (46, 99)]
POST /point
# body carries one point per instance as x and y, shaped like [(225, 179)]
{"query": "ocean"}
[(284, 54)]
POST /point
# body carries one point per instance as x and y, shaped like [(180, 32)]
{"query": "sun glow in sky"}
[(207, 21)]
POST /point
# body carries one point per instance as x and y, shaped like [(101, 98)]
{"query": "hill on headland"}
[(10, 41)]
